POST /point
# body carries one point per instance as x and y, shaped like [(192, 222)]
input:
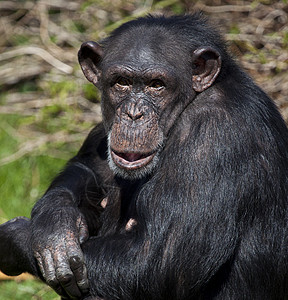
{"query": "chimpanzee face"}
[(139, 96), (144, 90)]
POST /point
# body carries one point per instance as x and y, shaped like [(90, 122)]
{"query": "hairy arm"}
[(16, 254), (68, 214)]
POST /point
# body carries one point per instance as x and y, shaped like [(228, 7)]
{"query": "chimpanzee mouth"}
[(131, 160)]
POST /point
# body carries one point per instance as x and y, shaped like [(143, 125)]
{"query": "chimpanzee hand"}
[(15, 250), (57, 236)]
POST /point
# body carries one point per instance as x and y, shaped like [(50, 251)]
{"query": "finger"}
[(47, 268), (80, 272), (40, 263), (76, 262), (82, 229), (77, 265), (69, 284), (64, 274)]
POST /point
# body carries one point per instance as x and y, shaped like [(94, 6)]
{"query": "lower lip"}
[(131, 165)]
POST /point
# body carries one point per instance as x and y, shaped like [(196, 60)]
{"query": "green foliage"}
[(25, 179), (28, 165), (234, 29), (62, 89), (285, 40), (262, 58), (79, 26), (19, 40), (26, 290), (28, 86), (91, 93)]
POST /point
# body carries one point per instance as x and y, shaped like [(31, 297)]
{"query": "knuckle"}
[(83, 286), (65, 279), (37, 255), (76, 262), (51, 280)]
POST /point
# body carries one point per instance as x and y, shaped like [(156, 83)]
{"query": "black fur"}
[(212, 218)]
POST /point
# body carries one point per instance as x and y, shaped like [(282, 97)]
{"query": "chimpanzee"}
[(181, 192)]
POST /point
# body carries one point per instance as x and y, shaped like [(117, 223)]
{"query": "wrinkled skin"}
[(179, 193), (61, 262)]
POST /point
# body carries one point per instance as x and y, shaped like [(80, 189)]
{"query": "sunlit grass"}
[(27, 166), (26, 290)]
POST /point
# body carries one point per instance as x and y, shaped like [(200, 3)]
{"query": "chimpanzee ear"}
[(89, 56), (206, 67)]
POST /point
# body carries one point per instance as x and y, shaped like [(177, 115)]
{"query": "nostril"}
[(135, 116)]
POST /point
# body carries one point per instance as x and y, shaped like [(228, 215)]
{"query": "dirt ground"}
[(39, 37)]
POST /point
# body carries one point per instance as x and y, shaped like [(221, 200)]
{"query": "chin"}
[(132, 166)]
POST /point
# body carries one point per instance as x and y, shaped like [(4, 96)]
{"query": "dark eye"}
[(123, 82), (156, 84)]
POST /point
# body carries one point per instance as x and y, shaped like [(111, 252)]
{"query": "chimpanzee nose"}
[(134, 112), (135, 116)]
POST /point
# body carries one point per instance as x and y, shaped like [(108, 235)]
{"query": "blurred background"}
[(47, 107)]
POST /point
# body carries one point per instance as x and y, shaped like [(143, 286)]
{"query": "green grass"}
[(24, 179), (22, 182), (30, 290), (25, 175)]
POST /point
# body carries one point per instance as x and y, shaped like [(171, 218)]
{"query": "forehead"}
[(143, 46)]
